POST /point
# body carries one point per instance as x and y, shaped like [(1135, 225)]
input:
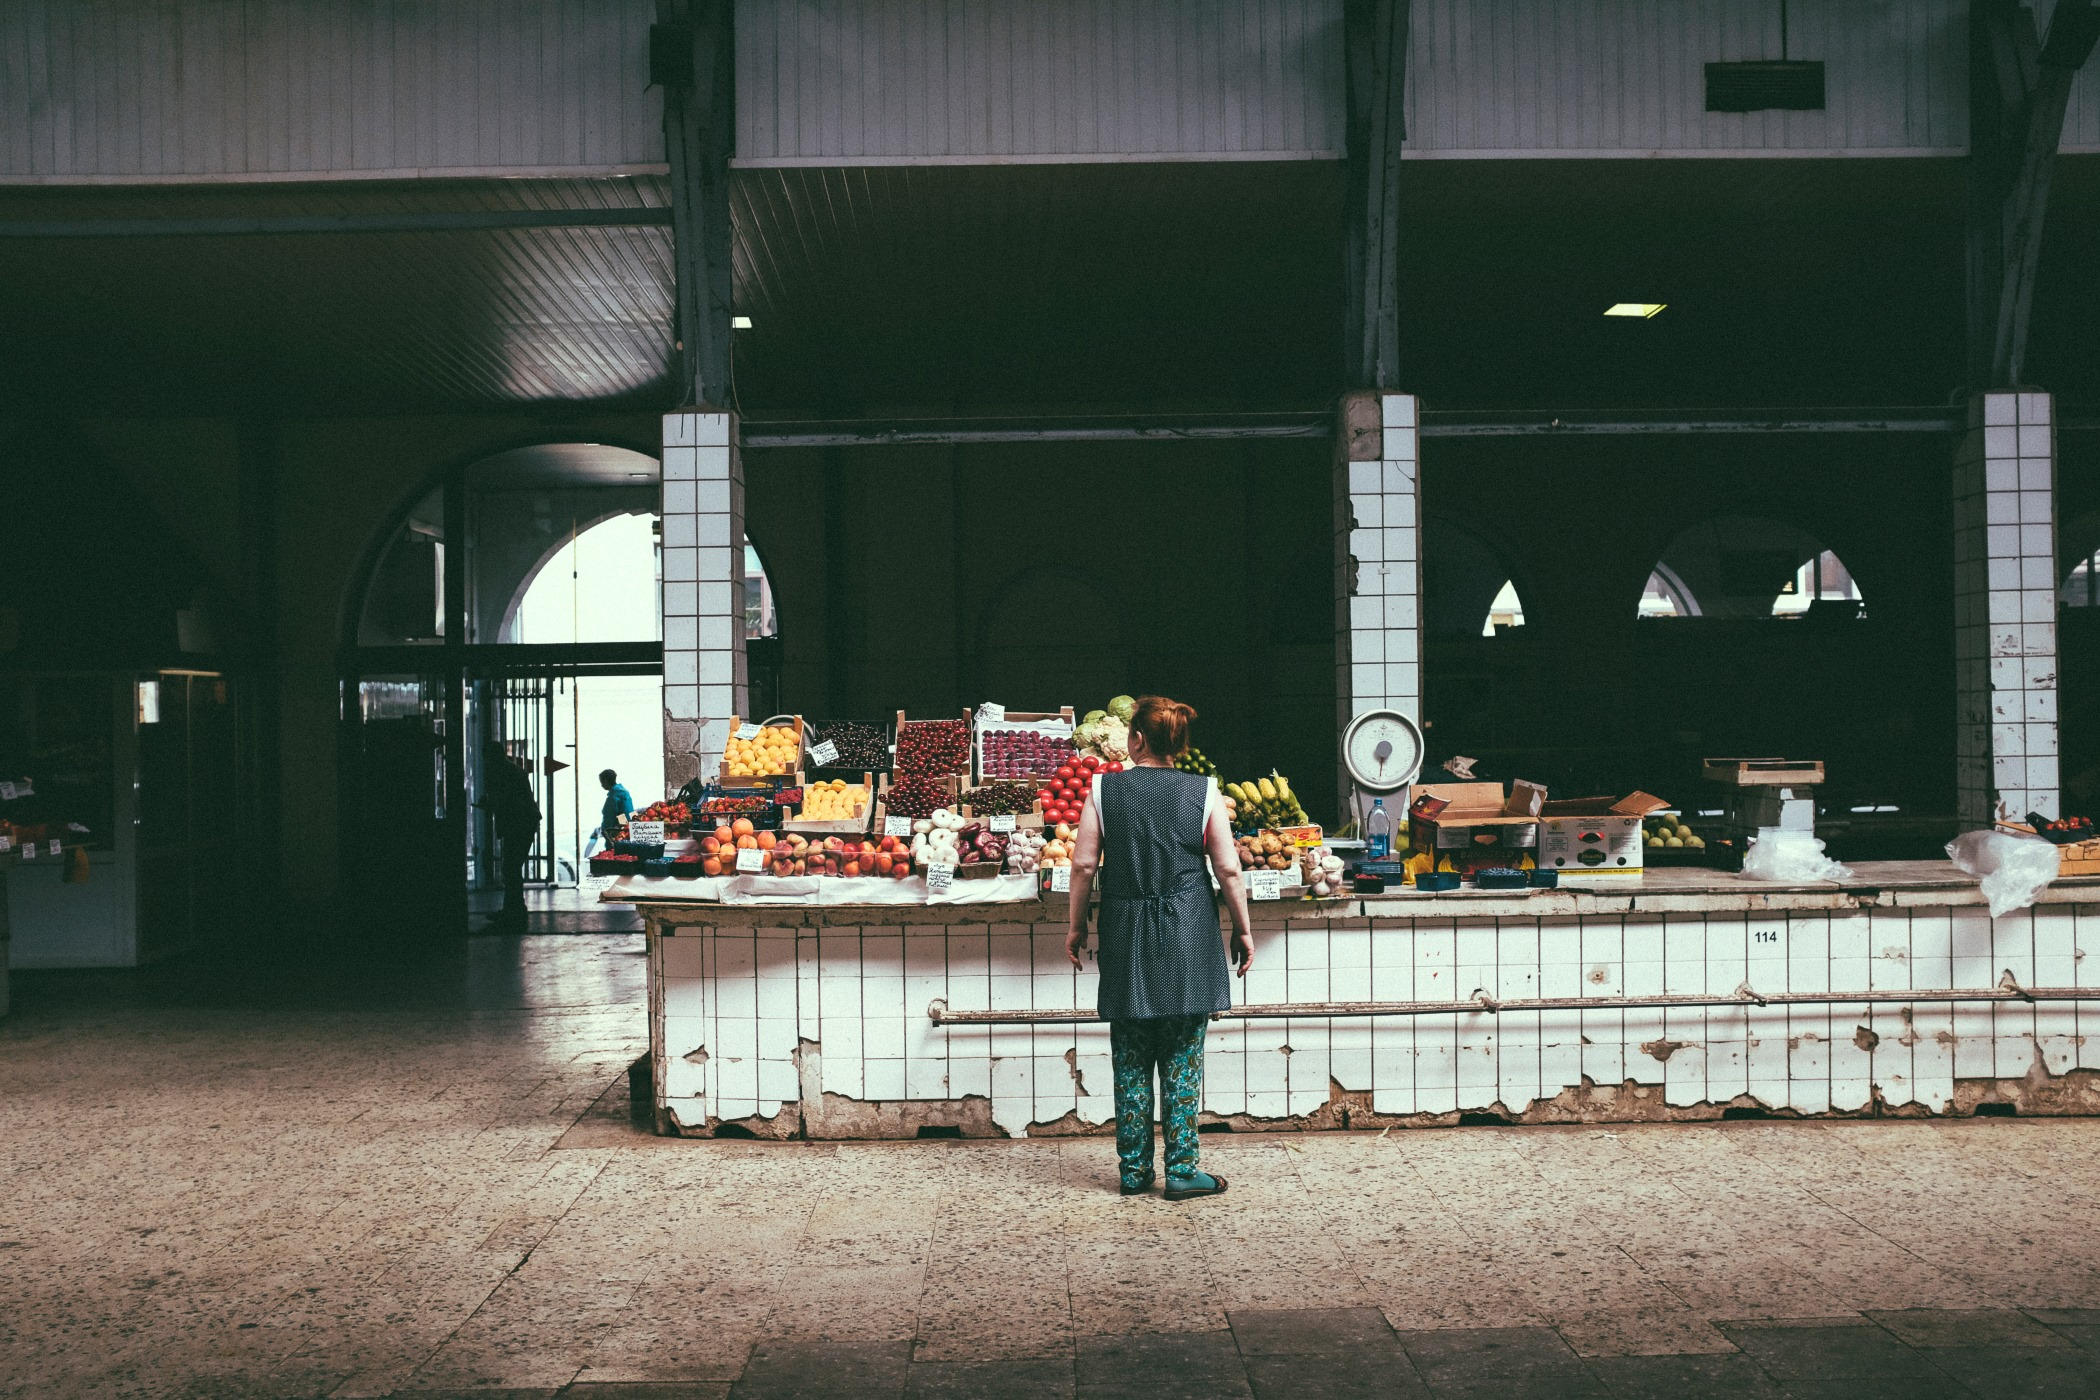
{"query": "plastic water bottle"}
[(1378, 831)]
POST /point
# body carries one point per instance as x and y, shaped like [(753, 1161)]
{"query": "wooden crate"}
[(1764, 772), (2073, 857), (838, 827), (760, 780), (1061, 723), (969, 759), (881, 812)]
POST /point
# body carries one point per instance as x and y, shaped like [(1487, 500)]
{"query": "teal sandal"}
[(1188, 1188)]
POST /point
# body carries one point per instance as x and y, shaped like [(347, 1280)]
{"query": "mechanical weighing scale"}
[(1382, 751)]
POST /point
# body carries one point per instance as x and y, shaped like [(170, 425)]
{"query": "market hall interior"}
[(330, 326)]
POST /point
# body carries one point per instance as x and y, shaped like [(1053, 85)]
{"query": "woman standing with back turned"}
[(1147, 830)]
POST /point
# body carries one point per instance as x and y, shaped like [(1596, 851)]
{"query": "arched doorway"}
[(512, 581)]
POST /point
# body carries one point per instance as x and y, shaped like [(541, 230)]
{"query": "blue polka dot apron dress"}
[(1162, 959)]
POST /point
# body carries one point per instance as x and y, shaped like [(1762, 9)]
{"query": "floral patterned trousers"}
[(1172, 1045)]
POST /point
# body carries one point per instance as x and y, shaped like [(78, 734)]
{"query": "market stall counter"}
[(1685, 993)]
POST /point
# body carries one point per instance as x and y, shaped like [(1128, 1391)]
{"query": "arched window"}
[(1744, 567), (589, 588), (1506, 610)]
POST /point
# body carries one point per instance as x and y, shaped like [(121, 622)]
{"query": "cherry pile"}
[(933, 747), (914, 795)]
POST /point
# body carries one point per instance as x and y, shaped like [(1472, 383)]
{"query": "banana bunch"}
[(1267, 802), (1193, 761)]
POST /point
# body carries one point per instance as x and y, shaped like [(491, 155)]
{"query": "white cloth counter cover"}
[(807, 891)]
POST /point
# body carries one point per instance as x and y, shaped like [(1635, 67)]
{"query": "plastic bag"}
[(1791, 857), (2014, 869)]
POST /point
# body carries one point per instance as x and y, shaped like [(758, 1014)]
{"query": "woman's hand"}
[(1075, 944), (1243, 950)]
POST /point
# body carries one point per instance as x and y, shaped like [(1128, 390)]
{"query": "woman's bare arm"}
[(1086, 859), (1225, 861)]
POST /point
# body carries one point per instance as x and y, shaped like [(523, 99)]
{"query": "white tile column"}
[(1378, 557), (2005, 609), (703, 591)]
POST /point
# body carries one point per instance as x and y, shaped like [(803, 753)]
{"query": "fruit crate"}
[(951, 786), (842, 826), (750, 780), (898, 734), (1024, 722), (2073, 857), (814, 733), (1763, 772), (1030, 820)]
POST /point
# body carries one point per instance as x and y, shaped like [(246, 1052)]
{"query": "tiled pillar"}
[(1378, 557), (703, 598), (2005, 610)]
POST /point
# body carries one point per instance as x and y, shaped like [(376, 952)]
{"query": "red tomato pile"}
[(1064, 795)]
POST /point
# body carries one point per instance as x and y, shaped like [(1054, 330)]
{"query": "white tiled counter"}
[(789, 1022)]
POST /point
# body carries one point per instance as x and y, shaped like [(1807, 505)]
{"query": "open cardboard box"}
[(1596, 837), (1475, 826)]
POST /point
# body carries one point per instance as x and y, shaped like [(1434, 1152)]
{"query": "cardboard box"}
[(1596, 837), (1471, 826)]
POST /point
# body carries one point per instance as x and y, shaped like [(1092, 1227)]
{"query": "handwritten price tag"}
[(7, 792), (1265, 884), (1060, 879), (896, 826), (749, 861), (29, 850), (988, 713), (56, 848), (645, 831), (748, 731), (1004, 822), (826, 752), (939, 878), (7, 843)]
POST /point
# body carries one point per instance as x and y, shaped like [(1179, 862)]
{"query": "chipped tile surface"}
[(422, 1179)]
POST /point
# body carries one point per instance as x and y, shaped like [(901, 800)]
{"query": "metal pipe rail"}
[(2007, 990)]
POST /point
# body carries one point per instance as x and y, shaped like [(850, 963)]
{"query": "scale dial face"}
[(1382, 750)]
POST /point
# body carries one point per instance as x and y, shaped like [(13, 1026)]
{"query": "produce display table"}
[(1685, 993)]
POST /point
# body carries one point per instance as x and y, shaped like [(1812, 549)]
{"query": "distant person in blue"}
[(617, 805), (1147, 834)]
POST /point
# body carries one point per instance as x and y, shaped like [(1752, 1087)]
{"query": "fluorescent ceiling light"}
[(743, 323), (1642, 309)]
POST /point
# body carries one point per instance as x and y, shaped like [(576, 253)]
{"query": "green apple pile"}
[(1668, 832)]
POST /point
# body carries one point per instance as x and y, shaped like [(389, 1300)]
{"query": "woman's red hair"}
[(1165, 725)]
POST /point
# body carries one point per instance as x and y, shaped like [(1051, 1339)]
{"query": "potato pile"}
[(1267, 851)]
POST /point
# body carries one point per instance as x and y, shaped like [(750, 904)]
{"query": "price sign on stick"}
[(824, 753), (1060, 879), (939, 878), (1002, 823), (645, 831), (1265, 884), (896, 826), (750, 861)]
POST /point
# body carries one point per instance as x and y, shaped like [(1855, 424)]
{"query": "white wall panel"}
[(842, 81), (143, 89)]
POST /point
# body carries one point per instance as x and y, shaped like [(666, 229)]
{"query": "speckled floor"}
[(415, 1172)]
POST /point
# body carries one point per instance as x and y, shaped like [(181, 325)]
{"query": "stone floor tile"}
[(800, 1370), (1732, 1377), (1034, 1379), (1933, 1386), (1967, 1327), (1656, 1331), (2027, 1372), (1298, 1331), (1169, 1364), (1477, 1360), (1371, 1372), (1825, 1349), (647, 1390), (2065, 1317)]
